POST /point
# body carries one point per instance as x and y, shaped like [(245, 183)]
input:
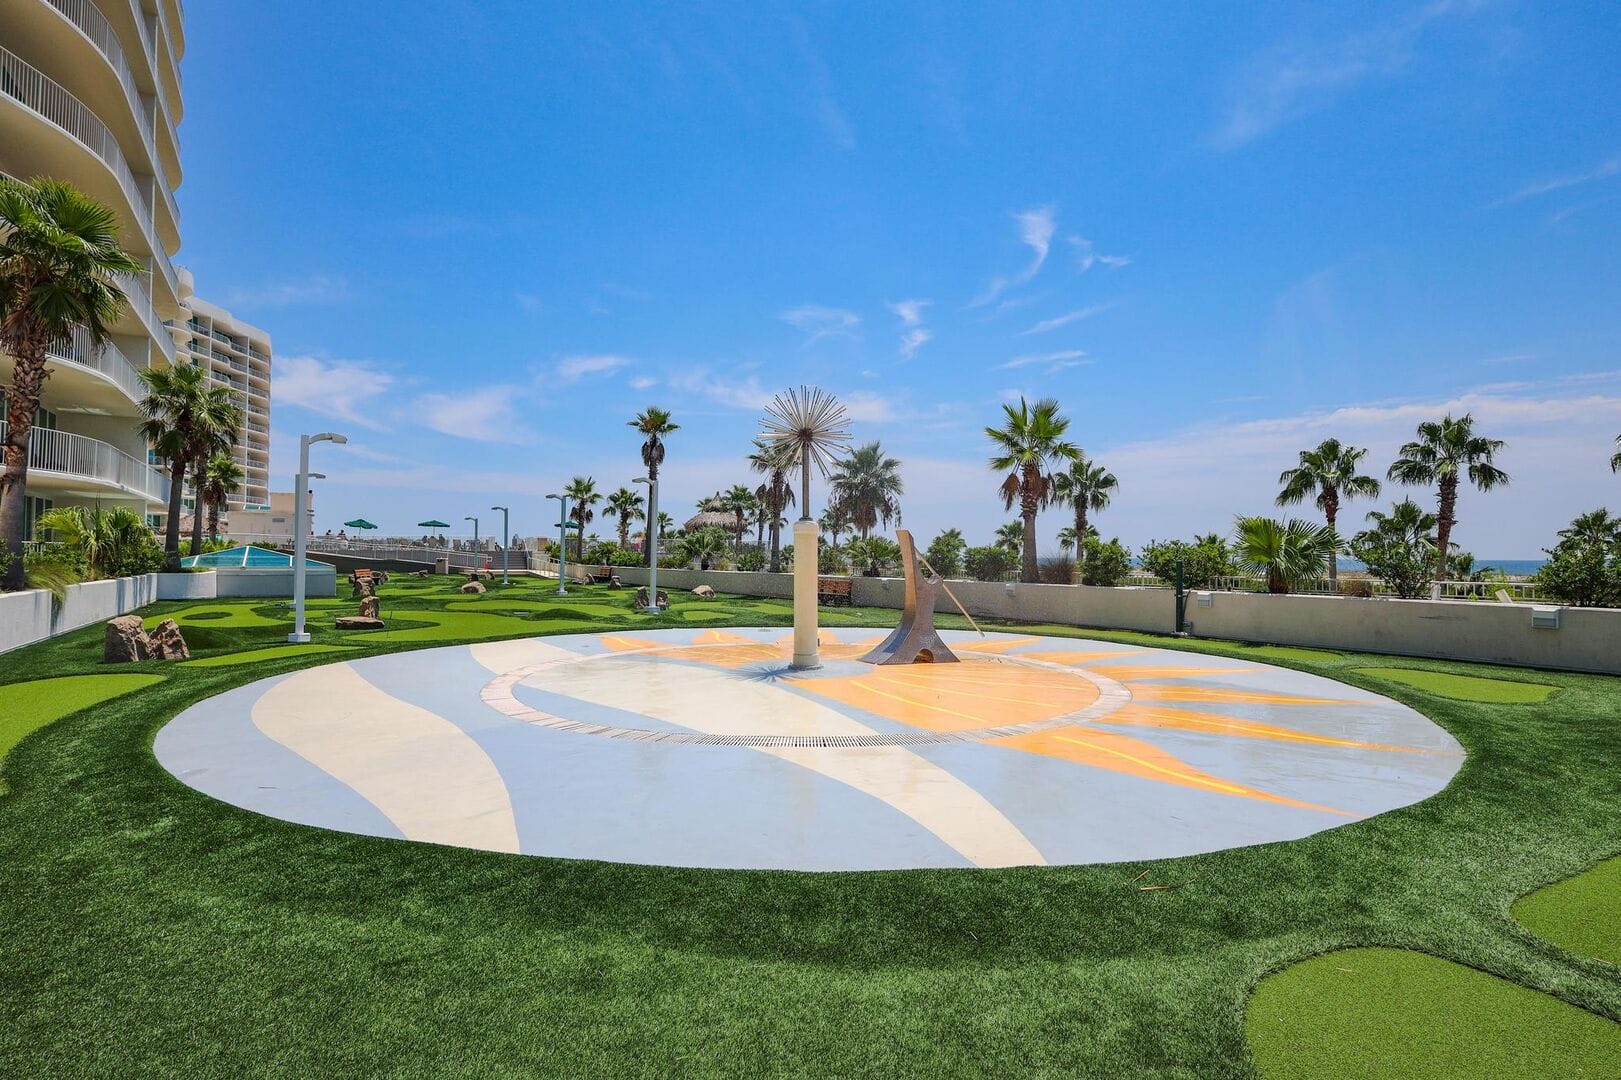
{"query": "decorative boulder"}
[(473, 587), (369, 607), (641, 598), (126, 641), (166, 642), (358, 622), (615, 583), (705, 592)]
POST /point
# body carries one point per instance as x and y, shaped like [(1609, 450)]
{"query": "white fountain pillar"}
[(807, 639)]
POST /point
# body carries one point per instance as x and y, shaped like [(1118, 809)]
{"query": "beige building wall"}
[(90, 93)]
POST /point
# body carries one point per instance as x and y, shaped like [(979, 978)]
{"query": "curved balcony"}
[(105, 363), (88, 20), (82, 467), (30, 88)]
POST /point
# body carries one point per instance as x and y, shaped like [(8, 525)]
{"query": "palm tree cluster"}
[(189, 423)]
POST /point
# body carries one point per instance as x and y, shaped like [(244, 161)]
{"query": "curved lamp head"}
[(500, 508), (642, 480), (329, 436), (557, 497)]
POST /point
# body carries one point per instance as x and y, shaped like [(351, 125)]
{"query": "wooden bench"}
[(601, 575), (834, 591)]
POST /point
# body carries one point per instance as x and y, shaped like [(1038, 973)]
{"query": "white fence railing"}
[(76, 349), (68, 454), (427, 555)]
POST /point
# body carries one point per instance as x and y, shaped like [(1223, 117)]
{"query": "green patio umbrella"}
[(360, 523), (432, 524)]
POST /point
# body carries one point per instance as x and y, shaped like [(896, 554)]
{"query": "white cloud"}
[(314, 289), (1511, 358), (530, 302), (1606, 169), (341, 389), (1284, 84), (820, 322), (643, 382), (866, 406), (909, 312), (1036, 228), (913, 340), (1054, 361), (483, 415), (1069, 317), (730, 391), (1087, 256), (575, 368)]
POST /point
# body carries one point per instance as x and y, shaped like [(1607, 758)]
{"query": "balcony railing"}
[(34, 90), (77, 350), (67, 454)]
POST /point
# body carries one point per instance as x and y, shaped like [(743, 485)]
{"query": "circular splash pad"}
[(703, 748)]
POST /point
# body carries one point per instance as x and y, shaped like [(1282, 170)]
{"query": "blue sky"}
[(483, 235)]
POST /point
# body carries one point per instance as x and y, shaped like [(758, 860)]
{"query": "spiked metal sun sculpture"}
[(813, 423)]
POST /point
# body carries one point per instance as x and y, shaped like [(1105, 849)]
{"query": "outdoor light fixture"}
[(651, 534), (474, 520), (562, 542), (301, 525), (503, 542)]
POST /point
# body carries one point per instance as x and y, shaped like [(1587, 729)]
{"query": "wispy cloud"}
[(1036, 228), (818, 322), (1053, 361), (1511, 358), (1286, 83), (643, 382), (1087, 256), (913, 340), (485, 414), (732, 391), (1069, 317), (315, 289), (575, 368), (909, 312), (341, 389), (1602, 171)]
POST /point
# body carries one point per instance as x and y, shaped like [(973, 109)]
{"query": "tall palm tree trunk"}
[(198, 479), (776, 544), (1443, 523), (1027, 506), (171, 527), (213, 519), (1331, 512), (651, 533), (26, 385), (1080, 534)]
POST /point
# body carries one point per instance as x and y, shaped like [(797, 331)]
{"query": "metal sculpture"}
[(915, 640)]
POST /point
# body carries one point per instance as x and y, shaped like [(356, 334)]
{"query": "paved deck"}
[(701, 748)]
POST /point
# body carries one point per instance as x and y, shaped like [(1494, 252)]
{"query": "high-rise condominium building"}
[(90, 93), (237, 355)]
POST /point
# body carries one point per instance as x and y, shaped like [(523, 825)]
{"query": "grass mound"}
[(1581, 913), (253, 656), (1373, 1013), (232, 615), (1465, 687), (26, 707)]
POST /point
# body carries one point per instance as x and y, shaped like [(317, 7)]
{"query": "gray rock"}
[(705, 592), (473, 587), (358, 622), (167, 643)]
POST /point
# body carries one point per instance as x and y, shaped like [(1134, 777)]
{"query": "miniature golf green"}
[(1581, 913), (151, 930)]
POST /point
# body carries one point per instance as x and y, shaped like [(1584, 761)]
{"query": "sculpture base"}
[(807, 633)]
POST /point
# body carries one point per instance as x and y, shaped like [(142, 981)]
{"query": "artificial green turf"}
[(25, 707), (1392, 1013), (152, 930), (218, 615), (1464, 687), (1287, 652), (1581, 913), (556, 606), (253, 656)]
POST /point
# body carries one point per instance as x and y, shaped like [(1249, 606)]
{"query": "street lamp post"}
[(503, 542), (652, 535), (562, 542), (301, 527), (474, 520)]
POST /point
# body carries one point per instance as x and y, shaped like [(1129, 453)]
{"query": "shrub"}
[(945, 553), (871, 556), (1056, 570), (832, 560), (1361, 588), (1203, 561), (1107, 562), (987, 563), (1584, 573), (751, 559)]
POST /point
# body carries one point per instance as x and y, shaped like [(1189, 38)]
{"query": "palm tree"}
[(59, 256), (1087, 486), (702, 546), (184, 416), (221, 479), (1011, 536), (1593, 527), (867, 483), (1029, 442), (1285, 552), (1329, 473), (582, 492), (653, 423), (739, 502), (834, 522), (216, 434), (1066, 539), (776, 494), (625, 505), (1445, 450), (1615, 462)]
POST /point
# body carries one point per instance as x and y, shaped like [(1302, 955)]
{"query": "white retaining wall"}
[(201, 585), (1587, 639), (27, 616)]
